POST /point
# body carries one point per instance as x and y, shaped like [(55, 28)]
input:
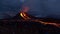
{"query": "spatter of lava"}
[(26, 17)]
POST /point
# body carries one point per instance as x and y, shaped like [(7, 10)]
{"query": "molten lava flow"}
[(25, 16), (24, 13)]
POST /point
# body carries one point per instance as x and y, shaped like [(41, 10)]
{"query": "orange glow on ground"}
[(26, 17)]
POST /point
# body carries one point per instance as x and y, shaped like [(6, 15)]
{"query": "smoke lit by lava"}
[(26, 17)]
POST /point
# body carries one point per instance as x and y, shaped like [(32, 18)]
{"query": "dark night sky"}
[(39, 8), (44, 8), (9, 8)]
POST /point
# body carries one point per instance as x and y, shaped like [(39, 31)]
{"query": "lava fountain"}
[(26, 17)]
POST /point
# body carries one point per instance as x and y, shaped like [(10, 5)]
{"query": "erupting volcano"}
[(28, 17), (29, 24)]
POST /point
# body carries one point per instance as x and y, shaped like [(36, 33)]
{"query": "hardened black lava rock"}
[(20, 26)]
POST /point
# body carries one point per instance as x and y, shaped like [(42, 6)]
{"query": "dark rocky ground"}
[(18, 26)]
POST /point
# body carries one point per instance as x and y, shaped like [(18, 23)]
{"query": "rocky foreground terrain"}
[(17, 25)]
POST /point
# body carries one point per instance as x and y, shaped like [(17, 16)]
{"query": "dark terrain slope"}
[(17, 25)]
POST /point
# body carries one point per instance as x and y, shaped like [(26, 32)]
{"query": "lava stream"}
[(25, 16)]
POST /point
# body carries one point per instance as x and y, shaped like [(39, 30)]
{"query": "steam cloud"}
[(44, 8)]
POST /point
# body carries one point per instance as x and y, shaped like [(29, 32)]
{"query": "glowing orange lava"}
[(25, 16)]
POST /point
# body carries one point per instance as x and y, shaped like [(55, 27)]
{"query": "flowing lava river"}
[(28, 23), (28, 17)]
